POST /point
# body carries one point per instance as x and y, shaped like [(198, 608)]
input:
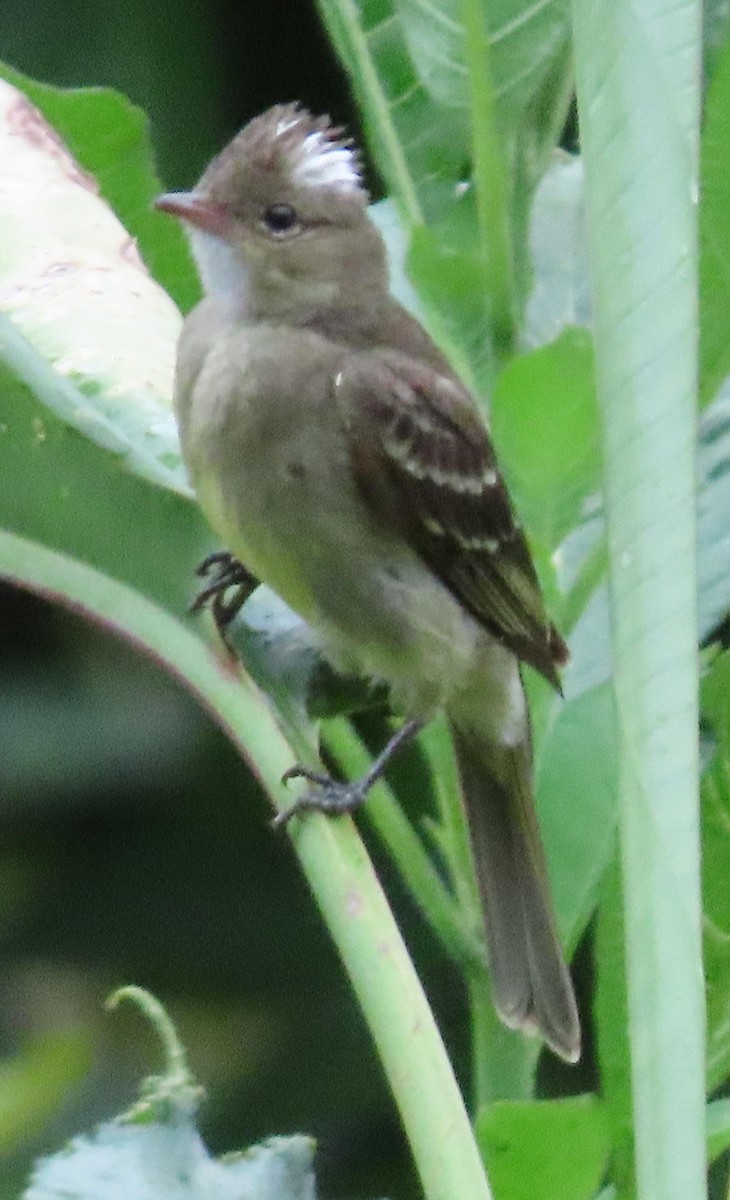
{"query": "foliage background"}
[(123, 851)]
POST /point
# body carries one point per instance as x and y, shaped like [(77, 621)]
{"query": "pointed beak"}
[(197, 210)]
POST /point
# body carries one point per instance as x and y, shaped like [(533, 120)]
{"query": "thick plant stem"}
[(638, 75), (491, 183), (332, 857)]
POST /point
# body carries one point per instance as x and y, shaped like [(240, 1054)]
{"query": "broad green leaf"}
[(65, 491), (436, 39), (448, 280), (155, 1152), (169, 1161), (523, 39), (576, 799), (385, 216), (412, 66), (90, 350), (545, 1150), (591, 662), (560, 295), (109, 138), (545, 426), (420, 147), (716, 795), (73, 284)]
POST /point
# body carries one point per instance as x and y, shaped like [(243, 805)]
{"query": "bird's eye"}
[(280, 219)]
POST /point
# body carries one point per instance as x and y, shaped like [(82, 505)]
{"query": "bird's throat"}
[(223, 274)]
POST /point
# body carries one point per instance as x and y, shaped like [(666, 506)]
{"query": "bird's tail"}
[(532, 989)]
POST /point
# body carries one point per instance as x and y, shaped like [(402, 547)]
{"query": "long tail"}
[(532, 990)]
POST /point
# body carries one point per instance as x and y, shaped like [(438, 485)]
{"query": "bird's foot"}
[(327, 795), (223, 572)]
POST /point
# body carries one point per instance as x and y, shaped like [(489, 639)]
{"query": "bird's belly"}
[(283, 500), (380, 611)]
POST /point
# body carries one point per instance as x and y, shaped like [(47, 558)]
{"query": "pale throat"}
[(255, 294), (221, 271)]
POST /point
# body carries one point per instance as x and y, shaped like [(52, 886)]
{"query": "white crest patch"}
[(320, 162), (285, 123)]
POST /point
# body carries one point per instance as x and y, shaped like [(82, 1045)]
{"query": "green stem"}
[(343, 22), (638, 76), (503, 1062), (384, 814), (490, 182), (452, 832), (177, 1073), (591, 574), (332, 857)]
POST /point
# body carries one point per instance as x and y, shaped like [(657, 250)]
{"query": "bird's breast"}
[(267, 455)]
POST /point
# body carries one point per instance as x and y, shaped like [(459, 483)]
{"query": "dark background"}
[(134, 846)]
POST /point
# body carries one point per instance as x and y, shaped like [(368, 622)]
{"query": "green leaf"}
[(109, 138), (713, 515), (576, 800), (523, 39), (420, 147), (545, 426), (64, 491), (715, 699), (545, 1150), (73, 285), (718, 1128), (385, 216), (715, 232), (561, 286), (155, 1152), (431, 103), (435, 38), (610, 1013), (449, 284), (715, 29), (170, 1162)]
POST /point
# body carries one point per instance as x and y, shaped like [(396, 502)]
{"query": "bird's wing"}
[(424, 463)]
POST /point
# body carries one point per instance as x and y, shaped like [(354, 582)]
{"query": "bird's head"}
[(278, 222)]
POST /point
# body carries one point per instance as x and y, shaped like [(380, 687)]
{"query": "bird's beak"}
[(197, 210)]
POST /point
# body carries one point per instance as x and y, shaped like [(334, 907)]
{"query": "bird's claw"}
[(299, 772), (328, 795), (224, 572)]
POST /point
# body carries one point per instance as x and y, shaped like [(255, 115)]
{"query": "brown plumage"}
[(342, 461)]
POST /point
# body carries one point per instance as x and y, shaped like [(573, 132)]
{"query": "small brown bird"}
[(339, 457)]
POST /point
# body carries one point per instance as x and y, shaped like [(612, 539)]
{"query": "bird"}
[(344, 463)]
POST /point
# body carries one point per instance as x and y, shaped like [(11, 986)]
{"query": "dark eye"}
[(280, 218)]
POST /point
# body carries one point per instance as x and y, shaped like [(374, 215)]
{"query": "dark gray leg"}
[(330, 796)]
